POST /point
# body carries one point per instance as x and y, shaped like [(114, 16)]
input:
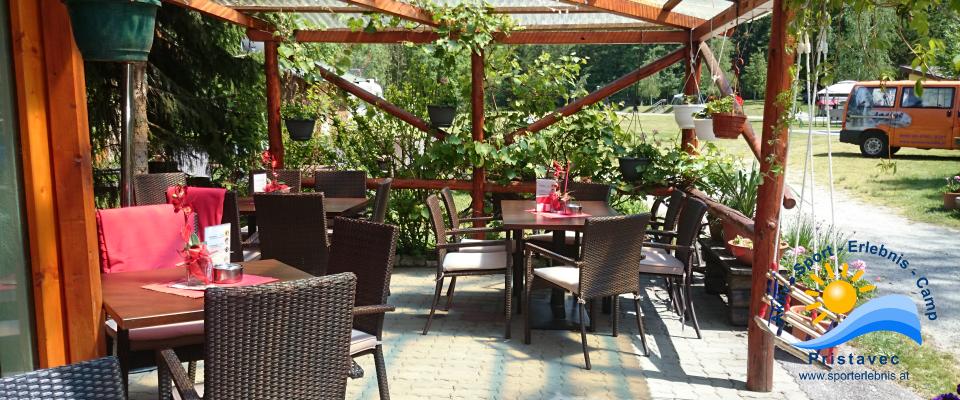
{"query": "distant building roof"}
[(933, 73)]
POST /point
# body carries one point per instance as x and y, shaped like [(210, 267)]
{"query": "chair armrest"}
[(459, 231), (481, 243), (661, 233), (373, 309), (654, 222), (168, 360), (481, 218), (531, 248), (668, 246)]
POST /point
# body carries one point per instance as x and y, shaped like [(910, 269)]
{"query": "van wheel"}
[(875, 145)]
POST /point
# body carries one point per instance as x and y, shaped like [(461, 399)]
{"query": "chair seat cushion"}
[(361, 341), (564, 276), (570, 238), (163, 332), (485, 249), (658, 261), (475, 261)]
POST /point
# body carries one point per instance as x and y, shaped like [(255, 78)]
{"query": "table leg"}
[(123, 356), (519, 269), (557, 296)]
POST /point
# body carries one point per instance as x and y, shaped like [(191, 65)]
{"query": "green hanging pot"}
[(113, 30)]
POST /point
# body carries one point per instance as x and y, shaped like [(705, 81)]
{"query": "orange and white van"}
[(882, 117)]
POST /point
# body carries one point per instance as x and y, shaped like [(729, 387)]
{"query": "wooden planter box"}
[(950, 201)]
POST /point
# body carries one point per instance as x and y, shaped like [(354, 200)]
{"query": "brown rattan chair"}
[(150, 189), (381, 201), (608, 267), (94, 379), (367, 249), (341, 183), (457, 233), (231, 215), (293, 230), (668, 222), (289, 177), (287, 340), (674, 262), (452, 263)]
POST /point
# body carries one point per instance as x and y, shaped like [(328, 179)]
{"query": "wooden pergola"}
[(687, 23)]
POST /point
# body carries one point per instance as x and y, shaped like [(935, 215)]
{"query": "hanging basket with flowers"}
[(727, 122)]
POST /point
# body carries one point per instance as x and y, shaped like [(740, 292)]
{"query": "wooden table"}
[(516, 219), (333, 206), (131, 306)]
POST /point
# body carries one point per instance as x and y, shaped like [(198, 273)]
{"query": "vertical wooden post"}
[(774, 151), (272, 70), (477, 120), (691, 86)]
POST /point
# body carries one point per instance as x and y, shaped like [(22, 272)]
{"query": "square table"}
[(516, 218), (131, 306), (332, 206)]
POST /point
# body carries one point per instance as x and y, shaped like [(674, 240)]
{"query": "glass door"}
[(16, 337)]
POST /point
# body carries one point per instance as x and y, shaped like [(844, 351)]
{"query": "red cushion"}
[(206, 202), (139, 238)]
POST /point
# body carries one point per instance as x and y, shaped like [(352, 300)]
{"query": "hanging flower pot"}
[(704, 129), (441, 116), (300, 130), (113, 30), (629, 167), (728, 125), (683, 113)]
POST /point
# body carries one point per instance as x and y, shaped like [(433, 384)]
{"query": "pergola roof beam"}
[(396, 8), (731, 17), (641, 11), (565, 9), (520, 37), (224, 13)]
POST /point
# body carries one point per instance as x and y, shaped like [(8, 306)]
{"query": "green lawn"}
[(913, 189)]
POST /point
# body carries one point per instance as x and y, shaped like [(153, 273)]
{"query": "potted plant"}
[(742, 249), (737, 189), (444, 107), (951, 193), (299, 119), (683, 113), (727, 123), (703, 126), (111, 30), (636, 160)]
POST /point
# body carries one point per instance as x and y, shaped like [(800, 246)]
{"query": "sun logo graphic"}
[(895, 313)]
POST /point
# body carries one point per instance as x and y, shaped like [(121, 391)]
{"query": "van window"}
[(867, 97), (931, 98)]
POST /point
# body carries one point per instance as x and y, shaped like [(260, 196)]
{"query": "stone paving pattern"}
[(465, 356)]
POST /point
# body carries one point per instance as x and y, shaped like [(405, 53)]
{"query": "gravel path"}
[(933, 252)]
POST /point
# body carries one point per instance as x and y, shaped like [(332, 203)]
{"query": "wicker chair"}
[(457, 233), (668, 222), (289, 177), (341, 183), (150, 189), (581, 191), (293, 230), (381, 201), (367, 249), (608, 267), (94, 379), (287, 340), (452, 263), (231, 215), (677, 267)]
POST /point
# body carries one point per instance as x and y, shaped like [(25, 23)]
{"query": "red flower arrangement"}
[(273, 183), (558, 200), (195, 255)]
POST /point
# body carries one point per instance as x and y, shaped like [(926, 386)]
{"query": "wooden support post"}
[(380, 103), (477, 119), (272, 71), (691, 86), (602, 93), (774, 151)]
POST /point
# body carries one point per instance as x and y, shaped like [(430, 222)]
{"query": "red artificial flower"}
[(739, 99), (267, 158)]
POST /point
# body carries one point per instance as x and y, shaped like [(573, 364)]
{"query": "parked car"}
[(882, 117)]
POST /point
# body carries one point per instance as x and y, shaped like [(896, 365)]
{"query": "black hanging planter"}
[(301, 130), (441, 116), (629, 166), (113, 30)]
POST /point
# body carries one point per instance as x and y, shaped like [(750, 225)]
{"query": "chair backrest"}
[(366, 249), (453, 217), (140, 238), (289, 177), (231, 215), (689, 225), (611, 254), (436, 222), (149, 189), (94, 379), (286, 340), (673, 209), (293, 229), (341, 183), (382, 201), (588, 191)]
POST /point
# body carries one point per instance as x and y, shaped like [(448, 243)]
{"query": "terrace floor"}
[(465, 355)]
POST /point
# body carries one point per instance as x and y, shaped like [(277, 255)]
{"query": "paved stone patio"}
[(466, 357)]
